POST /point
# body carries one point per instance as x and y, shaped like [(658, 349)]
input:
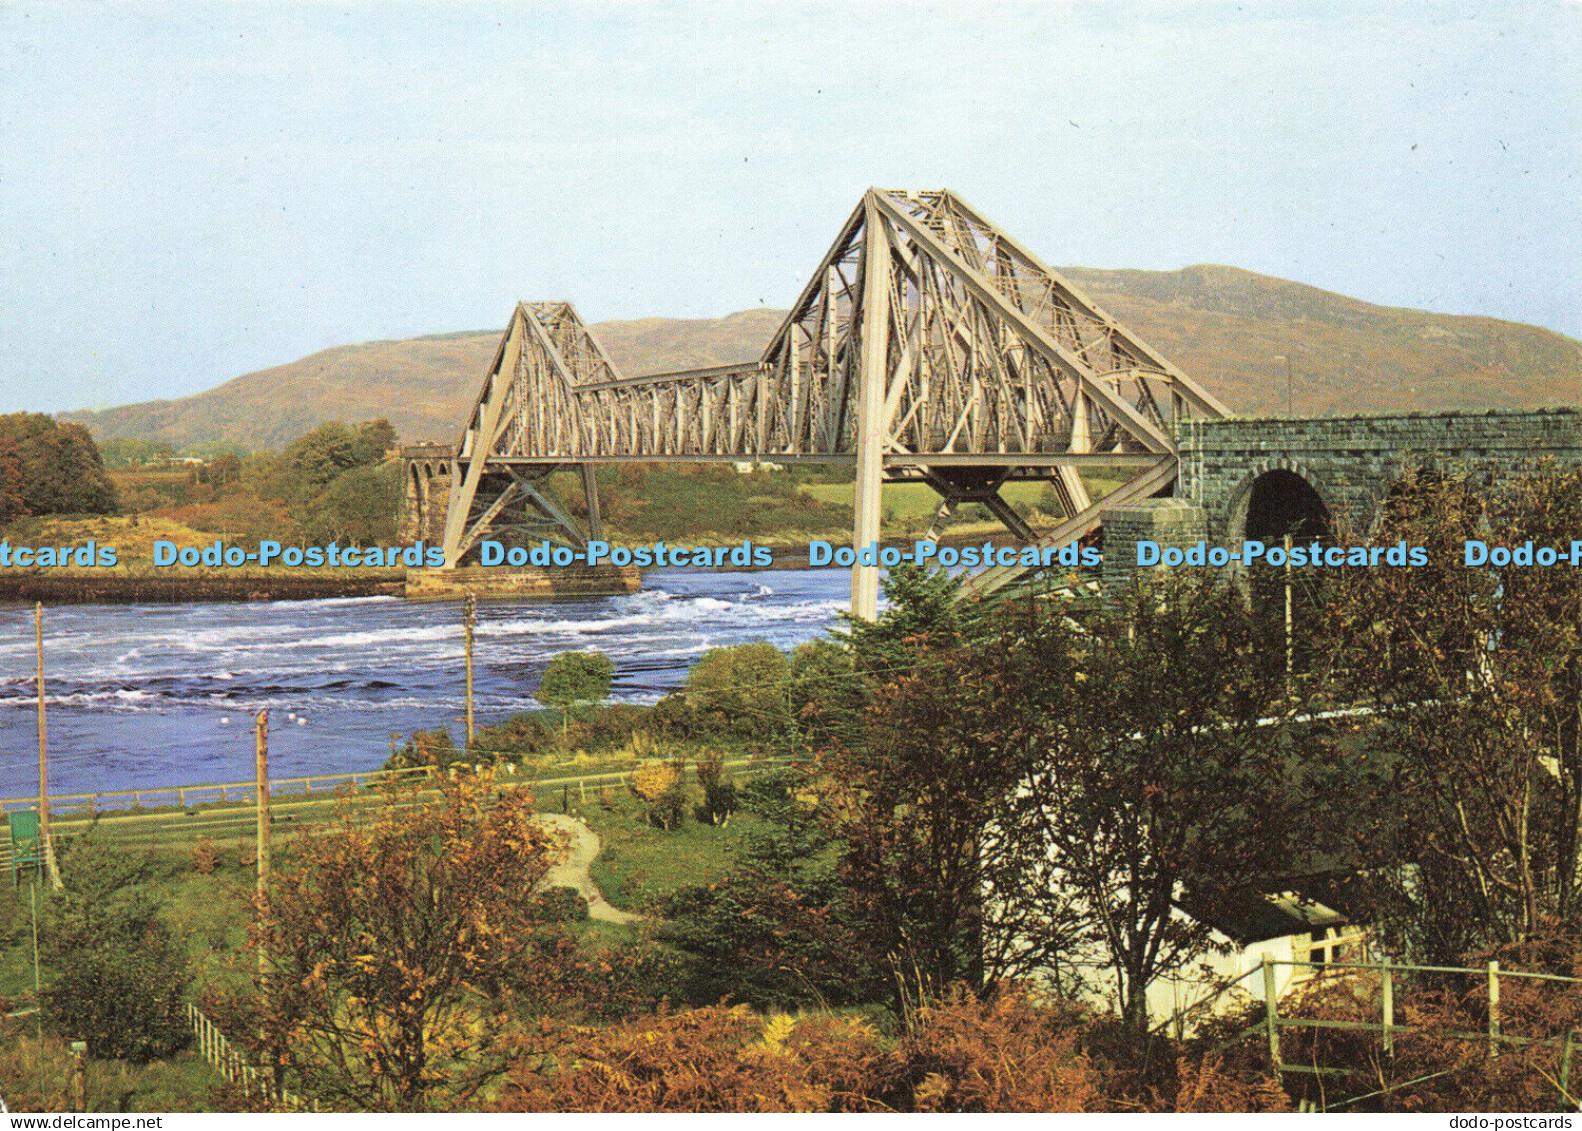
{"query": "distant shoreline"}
[(139, 589)]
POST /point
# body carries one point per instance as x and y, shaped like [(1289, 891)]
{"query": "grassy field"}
[(185, 1082), (208, 909), (909, 507), (640, 864)]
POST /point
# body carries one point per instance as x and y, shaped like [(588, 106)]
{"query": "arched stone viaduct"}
[(1349, 463)]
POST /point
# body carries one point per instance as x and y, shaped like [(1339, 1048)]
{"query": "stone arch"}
[(1278, 498), (1286, 479)]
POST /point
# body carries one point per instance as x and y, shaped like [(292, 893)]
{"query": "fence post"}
[(79, 1075), (1494, 1008), (1387, 995), (1271, 1010), (1565, 1069)]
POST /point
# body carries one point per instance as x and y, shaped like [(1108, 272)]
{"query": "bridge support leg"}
[(590, 495), (871, 381)]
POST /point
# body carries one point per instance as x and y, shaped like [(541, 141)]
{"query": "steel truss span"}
[(928, 345)]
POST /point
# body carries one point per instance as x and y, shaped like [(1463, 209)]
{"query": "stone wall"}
[(1169, 522), (1352, 462)]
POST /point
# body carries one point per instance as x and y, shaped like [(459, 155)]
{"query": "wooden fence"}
[(224, 793), (228, 807), (217, 1049), (1387, 1027)]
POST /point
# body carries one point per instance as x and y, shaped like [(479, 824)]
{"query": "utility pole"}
[(262, 790), (1289, 410), (469, 619), (51, 869), (1290, 642)]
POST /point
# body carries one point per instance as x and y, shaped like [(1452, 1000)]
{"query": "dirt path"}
[(572, 872)]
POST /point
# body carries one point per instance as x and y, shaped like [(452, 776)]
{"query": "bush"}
[(520, 734), (661, 786), (719, 796), (204, 856), (611, 727), (560, 905), (428, 748), (120, 975), (1003, 1054), (739, 692)]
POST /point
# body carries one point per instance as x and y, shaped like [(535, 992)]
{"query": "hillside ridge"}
[(1229, 328)]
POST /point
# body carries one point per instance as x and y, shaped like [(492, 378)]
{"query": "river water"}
[(153, 695)]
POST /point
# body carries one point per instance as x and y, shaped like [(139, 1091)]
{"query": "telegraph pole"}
[(1290, 640), (262, 732), (1289, 397), (469, 620), (51, 869)]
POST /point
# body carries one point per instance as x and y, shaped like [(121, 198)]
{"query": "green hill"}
[(1225, 326)]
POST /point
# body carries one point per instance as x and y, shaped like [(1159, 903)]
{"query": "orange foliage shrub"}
[(1205, 1086), (717, 1059), (1004, 1054), (204, 857)]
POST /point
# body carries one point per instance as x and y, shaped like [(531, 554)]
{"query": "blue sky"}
[(189, 191)]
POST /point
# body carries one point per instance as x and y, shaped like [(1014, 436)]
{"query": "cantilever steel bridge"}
[(928, 346)]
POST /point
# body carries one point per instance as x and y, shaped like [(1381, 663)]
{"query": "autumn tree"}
[(663, 788), (1160, 770), (1469, 677), (58, 466), (397, 942)]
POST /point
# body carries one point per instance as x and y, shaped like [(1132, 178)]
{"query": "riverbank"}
[(150, 589)]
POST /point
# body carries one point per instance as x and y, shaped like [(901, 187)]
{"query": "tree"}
[(372, 440), (1157, 772), (221, 471), (719, 795), (397, 942), (60, 468), (781, 928), (13, 482), (1036, 792), (120, 976), (661, 786), (359, 507), (574, 679), (739, 692), (921, 800), (1472, 680)]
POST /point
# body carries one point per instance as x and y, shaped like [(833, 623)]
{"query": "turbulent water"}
[(146, 695)]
